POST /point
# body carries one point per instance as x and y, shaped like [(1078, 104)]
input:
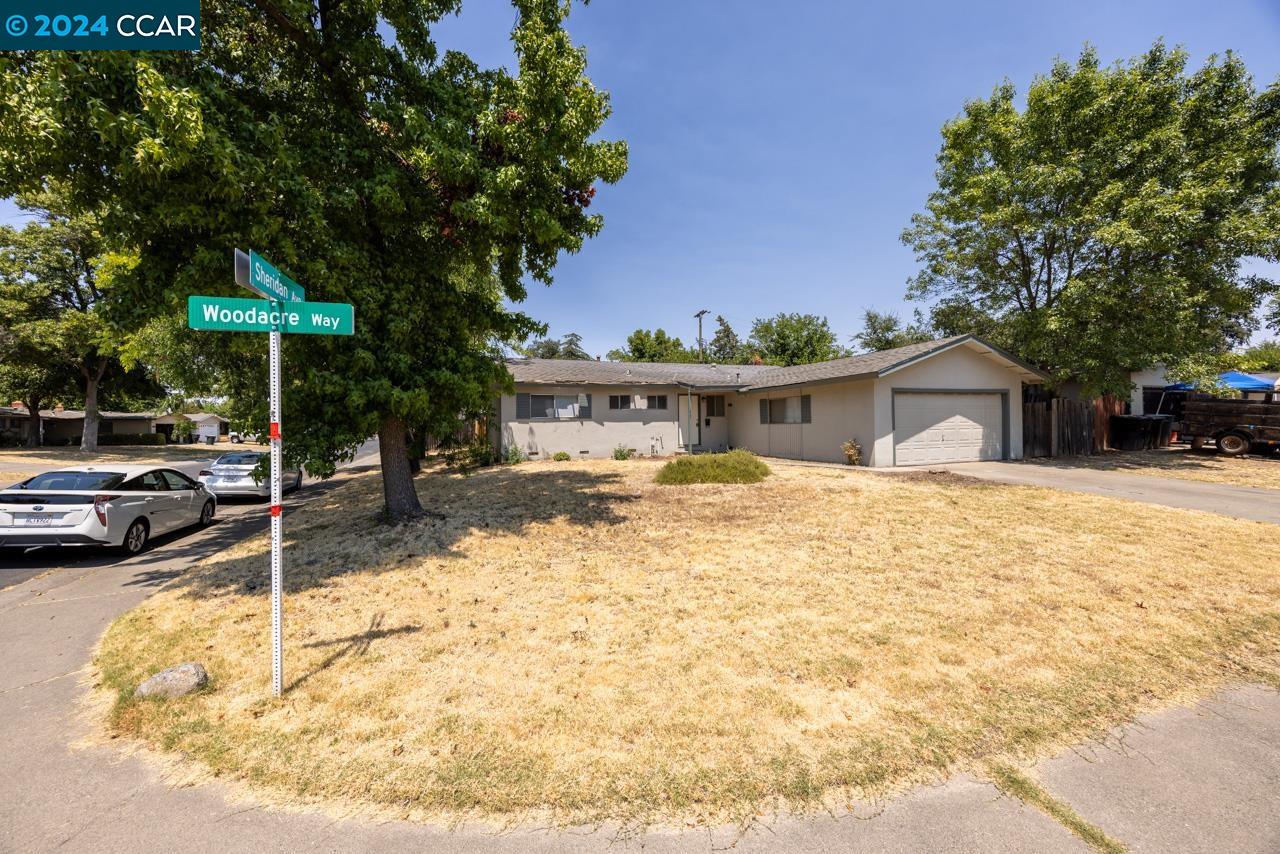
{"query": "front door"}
[(689, 414)]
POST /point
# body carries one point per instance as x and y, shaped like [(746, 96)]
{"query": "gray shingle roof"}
[(866, 364), (741, 377), (576, 372)]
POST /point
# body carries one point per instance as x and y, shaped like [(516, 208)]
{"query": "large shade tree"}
[(794, 339), (49, 275), (1101, 227), (338, 141)]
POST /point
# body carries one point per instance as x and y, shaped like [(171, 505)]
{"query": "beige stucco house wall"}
[(1150, 377), (838, 412), (937, 401), (646, 431)]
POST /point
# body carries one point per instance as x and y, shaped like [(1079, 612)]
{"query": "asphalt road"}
[(19, 565)]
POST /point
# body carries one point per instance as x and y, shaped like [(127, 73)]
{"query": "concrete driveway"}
[(1242, 502)]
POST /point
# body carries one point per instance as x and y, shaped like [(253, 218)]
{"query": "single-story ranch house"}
[(951, 400)]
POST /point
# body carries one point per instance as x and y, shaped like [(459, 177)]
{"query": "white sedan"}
[(233, 474), (123, 506)]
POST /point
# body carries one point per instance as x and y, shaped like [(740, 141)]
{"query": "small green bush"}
[(622, 452), (732, 467), (515, 454), (562, 457), (467, 458)]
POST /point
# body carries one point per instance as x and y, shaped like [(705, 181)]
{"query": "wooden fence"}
[(1065, 428)]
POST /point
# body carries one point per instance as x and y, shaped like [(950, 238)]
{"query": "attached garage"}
[(949, 426)]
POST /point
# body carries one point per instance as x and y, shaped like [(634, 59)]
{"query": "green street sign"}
[(232, 314), (261, 276)]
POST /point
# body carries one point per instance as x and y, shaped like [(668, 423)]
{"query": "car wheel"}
[(1233, 444), (135, 539), (206, 514)]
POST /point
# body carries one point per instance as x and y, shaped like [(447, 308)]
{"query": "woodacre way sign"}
[(285, 310)]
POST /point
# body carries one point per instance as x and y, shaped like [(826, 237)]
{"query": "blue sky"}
[(777, 150)]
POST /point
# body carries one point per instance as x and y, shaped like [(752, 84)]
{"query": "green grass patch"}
[(731, 467), (1014, 782)]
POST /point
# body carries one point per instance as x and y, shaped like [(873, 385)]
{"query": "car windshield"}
[(245, 459), (77, 480)]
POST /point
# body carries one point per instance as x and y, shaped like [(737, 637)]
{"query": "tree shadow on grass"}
[(340, 533), (351, 645)]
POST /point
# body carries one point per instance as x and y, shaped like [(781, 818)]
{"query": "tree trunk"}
[(88, 435), (417, 446), (397, 478), (33, 423)]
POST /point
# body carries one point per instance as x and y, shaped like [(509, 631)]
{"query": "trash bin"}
[(209, 440), (1127, 432)]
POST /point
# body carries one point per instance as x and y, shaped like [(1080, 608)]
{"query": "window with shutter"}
[(584, 406), (806, 410), (764, 411), (522, 406)]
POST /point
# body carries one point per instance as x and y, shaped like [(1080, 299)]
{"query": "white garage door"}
[(947, 428)]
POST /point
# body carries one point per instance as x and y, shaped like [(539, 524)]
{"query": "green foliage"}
[(1264, 356), (885, 331), (514, 454), (568, 347), (732, 467), (469, 457), (622, 452), (1100, 229), (562, 457), (725, 348), (369, 166), (183, 429), (131, 439), (655, 346), (794, 339)]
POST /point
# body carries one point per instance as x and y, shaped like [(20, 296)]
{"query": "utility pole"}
[(702, 346)]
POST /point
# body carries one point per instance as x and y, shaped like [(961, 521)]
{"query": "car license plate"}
[(39, 519)]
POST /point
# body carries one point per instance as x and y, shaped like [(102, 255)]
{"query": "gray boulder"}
[(174, 682)]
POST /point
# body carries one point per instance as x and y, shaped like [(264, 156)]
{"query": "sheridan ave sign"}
[(261, 276), (231, 314)]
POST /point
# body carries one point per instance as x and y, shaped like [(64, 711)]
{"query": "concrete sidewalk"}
[(1242, 502)]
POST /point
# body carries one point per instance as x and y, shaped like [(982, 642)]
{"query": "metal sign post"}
[(277, 520), (284, 310)]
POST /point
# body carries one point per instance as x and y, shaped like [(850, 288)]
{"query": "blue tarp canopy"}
[(1233, 380)]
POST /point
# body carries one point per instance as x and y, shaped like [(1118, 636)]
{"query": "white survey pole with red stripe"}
[(277, 516), (285, 310)]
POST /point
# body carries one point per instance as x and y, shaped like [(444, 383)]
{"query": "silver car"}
[(233, 474), (123, 506)]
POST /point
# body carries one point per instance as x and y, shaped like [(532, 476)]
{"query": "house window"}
[(714, 406), (657, 401), (619, 401), (553, 406), (786, 410)]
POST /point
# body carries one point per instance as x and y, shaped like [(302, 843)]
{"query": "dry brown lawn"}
[(1184, 464), (141, 454), (574, 641)]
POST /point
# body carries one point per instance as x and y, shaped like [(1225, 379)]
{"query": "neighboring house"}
[(1149, 387), (65, 426), (14, 423), (1267, 376), (205, 423), (949, 400)]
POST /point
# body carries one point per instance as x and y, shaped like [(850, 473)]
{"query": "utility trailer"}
[(1234, 426)]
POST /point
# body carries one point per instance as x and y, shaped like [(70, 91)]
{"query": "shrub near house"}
[(732, 467)]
